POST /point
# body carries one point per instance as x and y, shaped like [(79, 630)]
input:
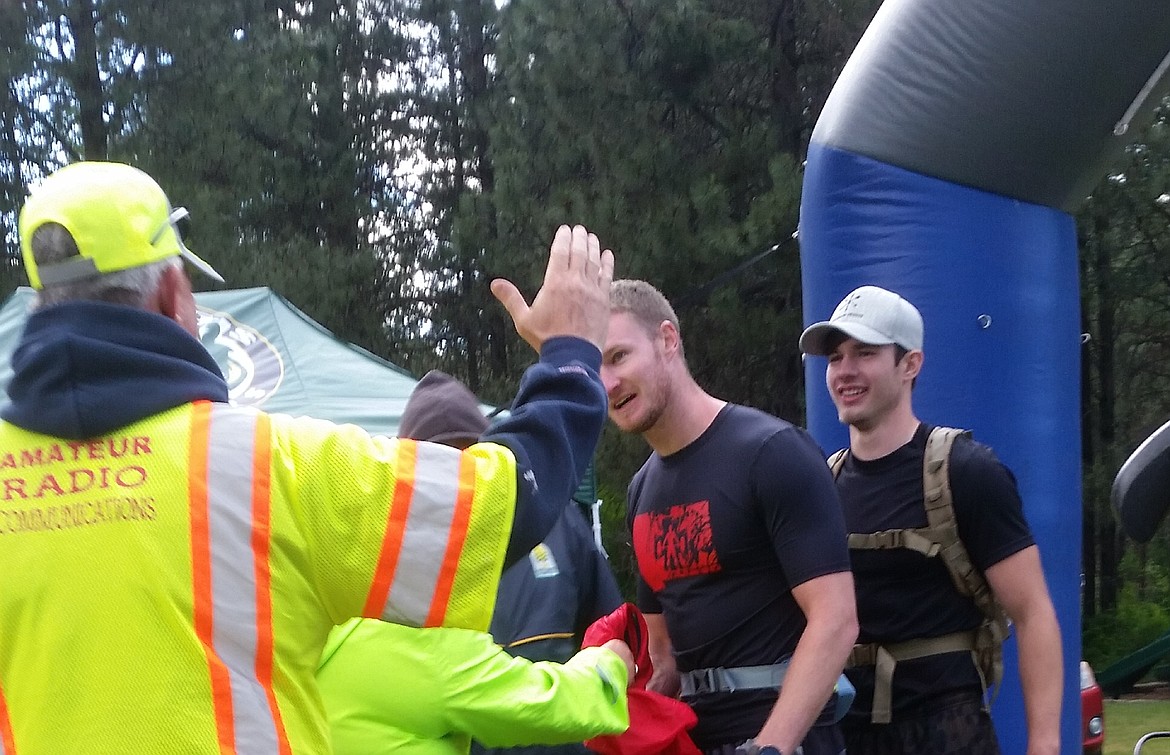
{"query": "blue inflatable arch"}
[(944, 166)]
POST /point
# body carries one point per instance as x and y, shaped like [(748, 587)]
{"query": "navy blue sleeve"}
[(800, 506), (552, 429)]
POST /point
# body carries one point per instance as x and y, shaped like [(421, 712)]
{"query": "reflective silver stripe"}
[(231, 441), (68, 271), (428, 526)]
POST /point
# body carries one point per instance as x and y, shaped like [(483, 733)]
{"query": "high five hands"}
[(574, 298)]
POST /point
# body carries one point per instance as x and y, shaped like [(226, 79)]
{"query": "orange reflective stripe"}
[(262, 549), (242, 638), (425, 534), (201, 574), (455, 540), (7, 741), (395, 529)]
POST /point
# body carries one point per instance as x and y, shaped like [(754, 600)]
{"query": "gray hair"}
[(132, 287)]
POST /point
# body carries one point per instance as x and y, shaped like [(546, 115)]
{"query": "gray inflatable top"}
[(1031, 99)]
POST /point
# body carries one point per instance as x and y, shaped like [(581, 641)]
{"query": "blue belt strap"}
[(705, 681)]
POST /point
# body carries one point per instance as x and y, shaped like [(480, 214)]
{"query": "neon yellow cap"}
[(119, 217)]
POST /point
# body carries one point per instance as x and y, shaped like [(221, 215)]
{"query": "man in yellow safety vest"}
[(173, 563)]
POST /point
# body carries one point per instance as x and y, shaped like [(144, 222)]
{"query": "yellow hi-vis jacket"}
[(394, 690), (177, 578)]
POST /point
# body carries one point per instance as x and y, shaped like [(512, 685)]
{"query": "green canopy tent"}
[(276, 357)]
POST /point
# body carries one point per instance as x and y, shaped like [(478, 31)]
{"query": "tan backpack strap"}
[(969, 581), (885, 658), (915, 540), (883, 687), (837, 461), (940, 510)]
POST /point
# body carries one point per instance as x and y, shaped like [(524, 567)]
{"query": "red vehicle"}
[(1092, 712)]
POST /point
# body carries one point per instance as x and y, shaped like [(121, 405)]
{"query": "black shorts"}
[(954, 724)]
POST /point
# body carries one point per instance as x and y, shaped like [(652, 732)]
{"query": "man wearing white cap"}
[(938, 543), (173, 563)]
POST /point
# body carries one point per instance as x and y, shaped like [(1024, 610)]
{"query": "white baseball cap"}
[(871, 315)]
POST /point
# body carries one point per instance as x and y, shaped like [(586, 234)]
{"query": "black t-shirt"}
[(722, 530), (903, 595)]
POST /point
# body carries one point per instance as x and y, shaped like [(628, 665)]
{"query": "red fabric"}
[(658, 724)]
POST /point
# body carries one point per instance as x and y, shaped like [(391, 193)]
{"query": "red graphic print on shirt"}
[(675, 543)]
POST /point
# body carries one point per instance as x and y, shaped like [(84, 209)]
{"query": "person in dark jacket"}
[(547, 600)]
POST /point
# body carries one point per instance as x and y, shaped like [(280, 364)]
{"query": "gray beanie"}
[(443, 410)]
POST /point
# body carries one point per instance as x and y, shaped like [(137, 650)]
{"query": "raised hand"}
[(574, 298)]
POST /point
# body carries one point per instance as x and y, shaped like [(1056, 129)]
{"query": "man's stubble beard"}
[(654, 414)]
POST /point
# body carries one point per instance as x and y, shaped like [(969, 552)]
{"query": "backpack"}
[(940, 538)]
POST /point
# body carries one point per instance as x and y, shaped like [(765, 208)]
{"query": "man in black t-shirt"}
[(740, 543), (874, 344)]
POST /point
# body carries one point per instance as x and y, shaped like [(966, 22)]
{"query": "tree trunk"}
[(87, 81), (787, 101), (1110, 552)]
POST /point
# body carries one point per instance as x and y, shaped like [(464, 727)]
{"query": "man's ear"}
[(171, 294), (669, 335), (912, 363), (165, 295)]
